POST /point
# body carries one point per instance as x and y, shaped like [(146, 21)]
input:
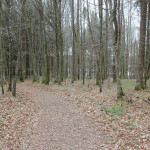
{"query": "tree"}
[(140, 68), (73, 42), (9, 8), (147, 68), (117, 50), (101, 44), (1, 50), (23, 39)]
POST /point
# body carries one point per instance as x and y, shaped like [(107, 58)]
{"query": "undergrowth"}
[(115, 110)]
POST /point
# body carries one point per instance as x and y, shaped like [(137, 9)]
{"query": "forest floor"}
[(73, 116)]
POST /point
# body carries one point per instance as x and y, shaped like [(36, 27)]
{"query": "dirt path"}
[(60, 125)]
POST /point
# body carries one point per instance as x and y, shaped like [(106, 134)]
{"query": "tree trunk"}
[(117, 50), (15, 79), (1, 50), (9, 4), (113, 36), (78, 41), (93, 46), (23, 38), (73, 43), (147, 47), (101, 43), (140, 68)]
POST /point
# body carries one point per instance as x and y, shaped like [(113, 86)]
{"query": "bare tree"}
[(140, 68)]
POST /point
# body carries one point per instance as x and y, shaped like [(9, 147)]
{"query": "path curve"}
[(60, 125)]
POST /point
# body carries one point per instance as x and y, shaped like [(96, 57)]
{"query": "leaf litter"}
[(16, 116), (128, 124)]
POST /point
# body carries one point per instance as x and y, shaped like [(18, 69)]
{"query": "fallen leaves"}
[(15, 117), (128, 124)]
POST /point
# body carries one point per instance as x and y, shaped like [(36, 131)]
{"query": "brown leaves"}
[(128, 131), (15, 116)]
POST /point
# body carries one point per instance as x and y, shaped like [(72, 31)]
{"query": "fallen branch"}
[(146, 101), (136, 97)]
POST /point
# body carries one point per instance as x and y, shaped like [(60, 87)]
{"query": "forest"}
[(93, 53)]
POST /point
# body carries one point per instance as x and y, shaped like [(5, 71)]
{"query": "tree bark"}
[(140, 68), (73, 42), (147, 47), (1, 50), (9, 5)]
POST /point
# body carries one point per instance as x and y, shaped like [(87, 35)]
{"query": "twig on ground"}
[(136, 97)]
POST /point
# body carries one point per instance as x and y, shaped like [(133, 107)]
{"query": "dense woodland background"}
[(57, 39)]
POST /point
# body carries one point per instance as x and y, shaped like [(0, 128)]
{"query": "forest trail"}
[(60, 125)]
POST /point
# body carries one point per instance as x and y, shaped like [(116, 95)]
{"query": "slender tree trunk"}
[(101, 43), (78, 41), (140, 68), (1, 50), (112, 30), (83, 31), (83, 55), (107, 54), (61, 44), (15, 78), (23, 38), (147, 47), (9, 4), (117, 50), (56, 43), (73, 43), (93, 42)]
